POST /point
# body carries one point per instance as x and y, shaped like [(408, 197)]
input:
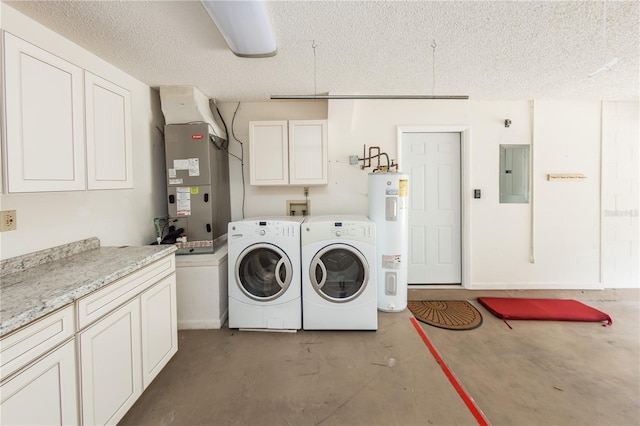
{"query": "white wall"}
[(569, 219), (264, 200), (567, 213), (554, 242), (500, 233), (116, 217), (621, 194)]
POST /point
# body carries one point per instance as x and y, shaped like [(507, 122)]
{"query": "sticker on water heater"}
[(183, 200), (175, 181), (403, 184), (194, 167), (172, 173), (391, 261)]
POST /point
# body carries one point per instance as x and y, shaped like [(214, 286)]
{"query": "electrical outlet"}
[(8, 220), (298, 208)]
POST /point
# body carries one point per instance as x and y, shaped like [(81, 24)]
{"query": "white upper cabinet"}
[(308, 152), (67, 129), (290, 152), (108, 126), (44, 120), (268, 153)]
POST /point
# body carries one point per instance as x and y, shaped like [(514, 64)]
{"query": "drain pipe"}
[(532, 235)]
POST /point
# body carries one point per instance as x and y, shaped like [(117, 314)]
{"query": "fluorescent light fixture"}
[(282, 97), (244, 25)]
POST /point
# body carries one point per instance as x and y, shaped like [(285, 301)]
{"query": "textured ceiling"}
[(485, 49)]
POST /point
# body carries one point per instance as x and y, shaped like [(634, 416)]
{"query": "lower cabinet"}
[(52, 373), (159, 327), (110, 365), (123, 352), (43, 393)]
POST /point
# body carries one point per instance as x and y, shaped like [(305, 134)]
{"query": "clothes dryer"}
[(338, 273), (264, 273)]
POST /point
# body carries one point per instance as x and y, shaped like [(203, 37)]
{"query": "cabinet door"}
[(268, 153), (43, 393), (308, 152), (44, 120), (108, 127), (159, 327), (110, 365)]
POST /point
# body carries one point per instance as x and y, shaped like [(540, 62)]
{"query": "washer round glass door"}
[(339, 273), (263, 272)]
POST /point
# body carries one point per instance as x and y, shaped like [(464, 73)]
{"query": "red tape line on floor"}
[(465, 398)]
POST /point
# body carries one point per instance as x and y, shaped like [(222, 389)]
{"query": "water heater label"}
[(391, 261), (403, 185)]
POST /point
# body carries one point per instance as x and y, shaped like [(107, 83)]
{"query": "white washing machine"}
[(264, 273), (338, 273)]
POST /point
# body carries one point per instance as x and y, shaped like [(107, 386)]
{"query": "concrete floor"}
[(538, 373)]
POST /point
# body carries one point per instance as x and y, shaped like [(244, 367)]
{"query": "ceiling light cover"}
[(244, 25)]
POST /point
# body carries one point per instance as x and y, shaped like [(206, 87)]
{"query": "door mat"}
[(542, 309), (447, 314)]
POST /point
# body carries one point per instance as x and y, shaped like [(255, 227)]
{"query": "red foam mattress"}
[(542, 309)]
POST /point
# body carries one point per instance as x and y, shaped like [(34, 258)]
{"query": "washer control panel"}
[(265, 229), (277, 229)]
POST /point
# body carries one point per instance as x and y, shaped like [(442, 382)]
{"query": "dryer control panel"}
[(360, 231), (351, 229)]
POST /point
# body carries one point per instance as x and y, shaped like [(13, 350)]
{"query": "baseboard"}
[(435, 287), (201, 324), (536, 286)]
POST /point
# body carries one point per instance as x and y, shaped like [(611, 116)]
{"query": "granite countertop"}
[(34, 285)]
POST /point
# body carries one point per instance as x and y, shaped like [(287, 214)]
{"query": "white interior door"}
[(435, 250)]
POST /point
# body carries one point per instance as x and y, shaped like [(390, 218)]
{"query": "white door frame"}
[(465, 183)]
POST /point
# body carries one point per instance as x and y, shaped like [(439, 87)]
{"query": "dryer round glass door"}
[(339, 273), (263, 272)]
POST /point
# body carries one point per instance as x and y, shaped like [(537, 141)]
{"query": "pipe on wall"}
[(532, 236)]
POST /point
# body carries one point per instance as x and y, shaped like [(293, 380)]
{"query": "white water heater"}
[(389, 209)]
